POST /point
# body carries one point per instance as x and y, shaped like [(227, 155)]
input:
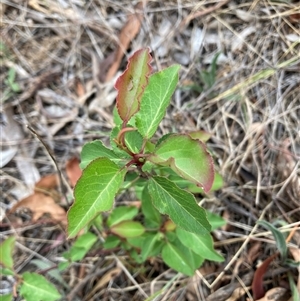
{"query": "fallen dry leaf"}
[(73, 171), (106, 278), (39, 204), (48, 182), (237, 294), (274, 294), (127, 34), (80, 89)]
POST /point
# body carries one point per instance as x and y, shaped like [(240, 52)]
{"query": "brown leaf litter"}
[(66, 55)]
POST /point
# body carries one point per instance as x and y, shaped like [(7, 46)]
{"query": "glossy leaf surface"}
[(37, 288), (188, 158), (180, 258), (94, 150), (132, 83), (6, 251), (215, 220), (121, 213), (199, 244), (179, 204), (200, 135), (94, 193), (111, 242), (156, 99), (8, 297), (81, 246), (279, 238), (128, 229), (150, 243), (149, 211)]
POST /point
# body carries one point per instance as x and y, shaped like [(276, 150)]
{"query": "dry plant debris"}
[(59, 61)]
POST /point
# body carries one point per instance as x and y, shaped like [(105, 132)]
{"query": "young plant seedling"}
[(170, 223)]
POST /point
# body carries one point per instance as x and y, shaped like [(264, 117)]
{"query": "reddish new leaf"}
[(257, 283), (132, 83)]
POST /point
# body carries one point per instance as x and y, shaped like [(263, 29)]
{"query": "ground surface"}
[(59, 62)]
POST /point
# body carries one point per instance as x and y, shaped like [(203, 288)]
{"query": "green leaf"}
[(156, 99), (179, 204), (135, 256), (79, 249), (118, 151), (279, 238), (131, 84), (6, 251), (294, 289), (149, 147), (81, 246), (63, 265), (150, 244), (94, 150), (11, 75), (200, 244), (111, 242), (200, 135), (142, 242), (15, 87), (148, 167), (149, 211), (54, 273), (209, 77), (8, 297), (122, 213), (128, 229), (292, 263), (215, 220), (180, 258), (134, 141), (125, 246), (218, 182), (94, 193), (6, 272), (137, 241), (188, 158), (97, 222), (37, 288), (133, 180), (117, 119), (171, 236)]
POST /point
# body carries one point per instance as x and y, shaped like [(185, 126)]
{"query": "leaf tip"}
[(132, 83)]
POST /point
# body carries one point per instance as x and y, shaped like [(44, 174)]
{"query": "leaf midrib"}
[(81, 223)]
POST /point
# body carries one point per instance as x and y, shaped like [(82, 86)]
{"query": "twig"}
[(60, 176)]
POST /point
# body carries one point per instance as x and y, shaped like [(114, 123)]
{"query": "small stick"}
[(60, 176)]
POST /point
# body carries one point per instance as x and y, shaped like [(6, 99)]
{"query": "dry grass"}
[(58, 50)]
